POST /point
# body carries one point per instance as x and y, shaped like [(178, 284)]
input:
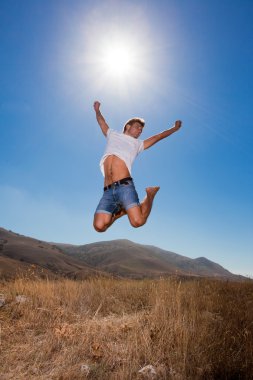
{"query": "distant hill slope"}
[(129, 259), (121, 258), (20, 254)]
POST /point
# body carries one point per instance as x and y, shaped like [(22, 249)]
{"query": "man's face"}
[(134, 130)]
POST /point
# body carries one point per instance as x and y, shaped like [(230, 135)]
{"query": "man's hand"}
[(96, 106), (154, 139), (177, 125)]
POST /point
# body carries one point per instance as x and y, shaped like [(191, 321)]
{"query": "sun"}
[(118, 60)]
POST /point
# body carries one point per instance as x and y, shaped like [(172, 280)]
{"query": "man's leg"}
[(138, 215), (103, 221)]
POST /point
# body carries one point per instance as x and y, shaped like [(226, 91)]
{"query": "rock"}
[(2, 300), (21, 298), (148, 372), (85, 369)]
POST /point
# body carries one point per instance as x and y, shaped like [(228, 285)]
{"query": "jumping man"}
[(120, 197)]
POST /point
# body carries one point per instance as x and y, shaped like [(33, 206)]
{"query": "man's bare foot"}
[(151, 191)]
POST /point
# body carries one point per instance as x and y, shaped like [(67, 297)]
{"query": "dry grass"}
[(185, 329)]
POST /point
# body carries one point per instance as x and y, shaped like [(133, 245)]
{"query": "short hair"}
[(134, 120)]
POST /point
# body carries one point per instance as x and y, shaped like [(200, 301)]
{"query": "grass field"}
[(110, 329)]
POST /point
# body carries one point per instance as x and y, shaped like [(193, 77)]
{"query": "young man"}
[(120, 196)]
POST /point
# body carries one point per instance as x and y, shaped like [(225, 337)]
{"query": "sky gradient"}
[(194, 62)]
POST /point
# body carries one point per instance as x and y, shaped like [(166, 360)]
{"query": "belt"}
[(117, 183)]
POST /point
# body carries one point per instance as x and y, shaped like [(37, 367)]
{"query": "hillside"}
[(132, 260), (120, 258), (20, 254)]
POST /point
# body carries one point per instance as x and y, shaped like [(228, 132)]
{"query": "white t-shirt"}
[(123, 146)]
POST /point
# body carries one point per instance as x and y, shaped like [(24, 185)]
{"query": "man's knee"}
[(137, 222), (100, 225)]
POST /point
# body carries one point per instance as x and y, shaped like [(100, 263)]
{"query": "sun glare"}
[(118, 60)]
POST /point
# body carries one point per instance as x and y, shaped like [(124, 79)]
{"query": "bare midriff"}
[(115, 169)]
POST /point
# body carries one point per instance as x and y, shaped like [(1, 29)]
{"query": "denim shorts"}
[(123, 196)]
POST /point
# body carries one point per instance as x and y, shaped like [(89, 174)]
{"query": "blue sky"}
[(194, 62)]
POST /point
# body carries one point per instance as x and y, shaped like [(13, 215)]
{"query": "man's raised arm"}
[(154, 139), (100, 119)]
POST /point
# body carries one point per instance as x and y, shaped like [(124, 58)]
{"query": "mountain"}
[(129, 259), (121, 258), (23, 255)]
